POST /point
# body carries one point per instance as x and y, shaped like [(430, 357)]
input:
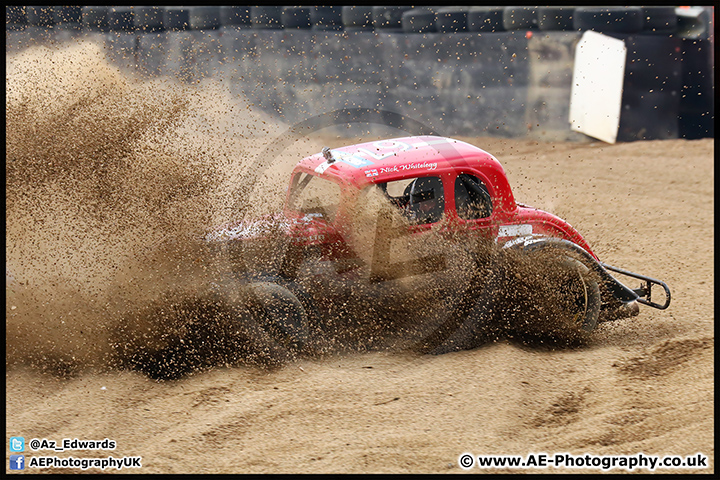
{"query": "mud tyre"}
[(468, 326), (280, 314), (184, 330), (584, 291), (191, 329), (568, 287)]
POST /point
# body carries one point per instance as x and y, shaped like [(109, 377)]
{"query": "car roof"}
[(391, 159)]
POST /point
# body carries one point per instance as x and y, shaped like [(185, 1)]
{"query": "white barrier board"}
[(596, 91)]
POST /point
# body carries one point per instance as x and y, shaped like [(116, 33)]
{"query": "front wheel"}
[(562, 288), (583, 293)]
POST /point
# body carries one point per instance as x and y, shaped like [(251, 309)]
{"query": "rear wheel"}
[(194, 328), (186, 329), (280, 314)]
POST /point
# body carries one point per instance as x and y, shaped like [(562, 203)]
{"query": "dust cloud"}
[(111, 183)]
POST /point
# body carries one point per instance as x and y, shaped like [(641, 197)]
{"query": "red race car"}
[(384, 223)]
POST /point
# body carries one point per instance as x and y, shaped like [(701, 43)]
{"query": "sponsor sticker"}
[(514, 230)]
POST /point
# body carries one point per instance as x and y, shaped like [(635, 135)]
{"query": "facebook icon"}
[(17, 462)]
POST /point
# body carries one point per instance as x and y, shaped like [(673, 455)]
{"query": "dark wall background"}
[(459, 71)]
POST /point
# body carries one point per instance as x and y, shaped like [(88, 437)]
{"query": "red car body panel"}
[(358, 166)]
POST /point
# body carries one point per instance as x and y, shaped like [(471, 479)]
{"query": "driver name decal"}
[(401, 168)]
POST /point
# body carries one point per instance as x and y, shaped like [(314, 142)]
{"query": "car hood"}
[(270, 226)]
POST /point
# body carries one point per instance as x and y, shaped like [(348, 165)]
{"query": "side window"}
[(420, 199), (472, 199), (426, 200)]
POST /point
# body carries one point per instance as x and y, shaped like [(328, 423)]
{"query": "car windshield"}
[(311, 194)]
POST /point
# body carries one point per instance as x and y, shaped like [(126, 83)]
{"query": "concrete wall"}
[(507, 83)]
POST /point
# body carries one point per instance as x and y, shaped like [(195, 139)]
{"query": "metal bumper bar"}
[(644, 293)]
